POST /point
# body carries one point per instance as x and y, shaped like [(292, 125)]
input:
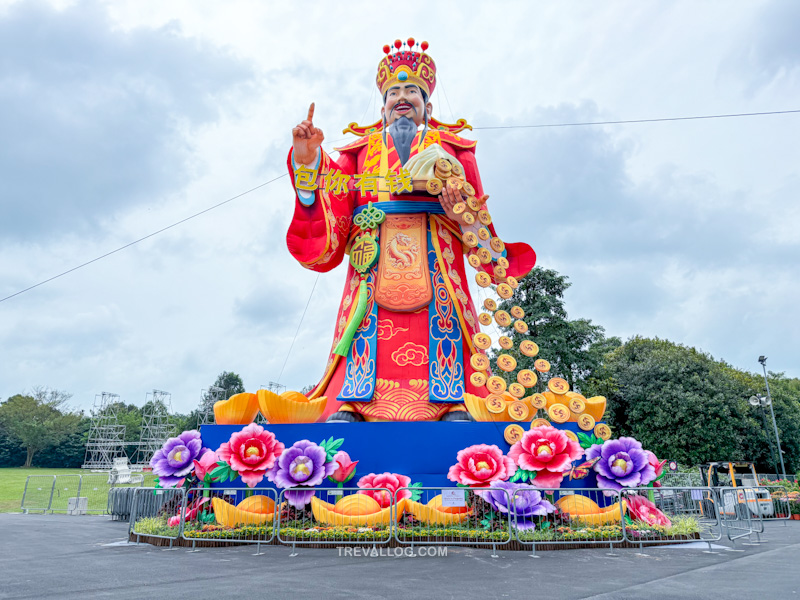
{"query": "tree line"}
[(678, 401)]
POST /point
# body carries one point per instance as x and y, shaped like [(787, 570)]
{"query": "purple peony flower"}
[(302, 465), (526, 504), (175, 460), (622, 463)]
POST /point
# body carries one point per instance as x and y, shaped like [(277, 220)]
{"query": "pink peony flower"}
[(204, 466), (481, 466), (658, 466), (191, 512), (346, 469), (641, 509), (390, 482), (547, 451), (250, 452)]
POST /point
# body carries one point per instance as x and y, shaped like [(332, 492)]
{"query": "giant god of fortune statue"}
[(405, 202)]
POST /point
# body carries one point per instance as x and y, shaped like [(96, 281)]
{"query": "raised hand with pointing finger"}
[(306, 139)]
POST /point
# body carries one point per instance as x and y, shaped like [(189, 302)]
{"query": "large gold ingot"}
[(329, 514), (434, 514), (256, 510), (239, 409), (290, 407)]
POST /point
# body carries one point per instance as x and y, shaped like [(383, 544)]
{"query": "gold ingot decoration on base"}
[(239, 409), (290, 407), (476, 406)]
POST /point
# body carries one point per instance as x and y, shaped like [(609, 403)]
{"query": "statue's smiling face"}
[(404, 100)]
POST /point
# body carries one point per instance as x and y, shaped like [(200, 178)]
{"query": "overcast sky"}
[(120, 118)]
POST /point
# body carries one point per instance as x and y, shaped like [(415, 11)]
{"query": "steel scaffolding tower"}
[(106, 436), (156, 427), (207, 400)]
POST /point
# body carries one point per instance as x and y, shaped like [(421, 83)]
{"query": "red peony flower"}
[(250, 452), (547, 451), (641, 509), (658, 466), (481, 466), (346, 469), (390, 482)]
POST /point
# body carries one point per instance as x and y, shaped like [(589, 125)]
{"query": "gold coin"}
[(443, 164), (517, 312), (477, 379), (474, 203), (484, 234), (479, 362), (517, 390), (473, 259), (541, 365), (434, 186), (459, 207), (481, 340), (470, 239), (512, 281), (602, 431), (495, 404), (513, 433), (557, 385), (503, 318), (468, 218), (540, 423), (577, 406), (485, 319), (518, 410), (497, 245), (499, 272), (502, 260), (538, 401), (559, 413), (484, 217), (586, 422), (468, 188), (484, 255), (506, 343), (529, 348), (527, 378), (571, 435), (521, 326), (506, 362), (504, 290), (490, 304), (454, 183), (456, 170), (496, 384), (483, 279)]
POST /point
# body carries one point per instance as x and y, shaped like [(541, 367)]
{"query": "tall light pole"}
[(763, 361)]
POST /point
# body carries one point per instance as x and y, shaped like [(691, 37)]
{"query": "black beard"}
[(403, 131)]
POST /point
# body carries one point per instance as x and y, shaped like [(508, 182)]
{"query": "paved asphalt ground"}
[(57, 556)]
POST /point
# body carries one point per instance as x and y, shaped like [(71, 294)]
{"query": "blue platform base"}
[(423, 450)]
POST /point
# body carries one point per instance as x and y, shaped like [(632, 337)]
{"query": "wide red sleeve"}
[(521, 257), (318, 233)]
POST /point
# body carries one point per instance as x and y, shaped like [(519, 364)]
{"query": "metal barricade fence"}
[(669, 515), (92, 494), (347, 515), (684, 480), (738, 511), (780, 506), (576, 517), (65, 489), (231, 515), (452, 516), (152, 513), (38, 493)]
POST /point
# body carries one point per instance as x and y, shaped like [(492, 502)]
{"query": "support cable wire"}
[(303, 316), (163, 229)]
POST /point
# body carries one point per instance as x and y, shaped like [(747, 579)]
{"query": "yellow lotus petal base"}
[(290, 407), (239, 409)]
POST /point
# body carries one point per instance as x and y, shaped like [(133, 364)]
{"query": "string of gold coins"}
[(518, 400)]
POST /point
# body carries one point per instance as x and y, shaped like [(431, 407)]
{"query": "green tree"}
[(685, 406), (574, 348), (230, 382), (38, 421)]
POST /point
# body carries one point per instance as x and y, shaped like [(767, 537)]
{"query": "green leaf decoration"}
[(628, 520), (416, 494), (587, 441), (545, 525), (224, 473), (523, 475), (331, 447)]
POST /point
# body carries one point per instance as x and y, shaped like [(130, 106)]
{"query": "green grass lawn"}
[(94, 487)]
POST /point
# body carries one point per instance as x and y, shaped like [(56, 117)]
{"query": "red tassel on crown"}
[(406, 66)]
